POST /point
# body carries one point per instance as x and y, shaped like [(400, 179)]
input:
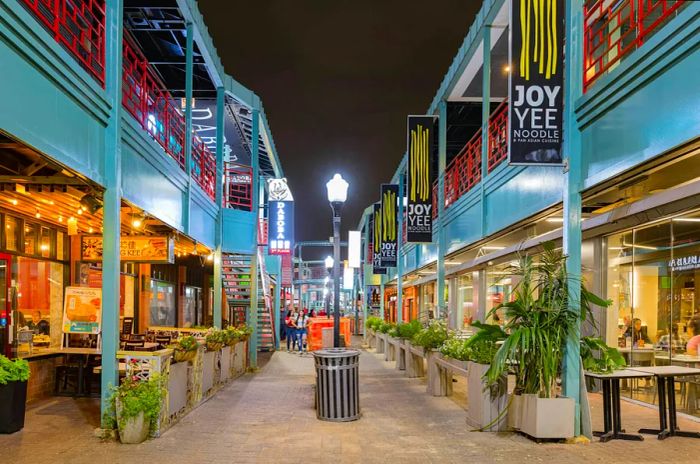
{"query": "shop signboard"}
[(280, 227), (204, 124), (82, 310), (132, 248), (385, 229), (354, 248), (536, 100), (419, 214), (374, 247)]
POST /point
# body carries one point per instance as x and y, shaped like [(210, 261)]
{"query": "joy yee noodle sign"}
[(536, 82), (375, 240), (134, 248), (419, 217)]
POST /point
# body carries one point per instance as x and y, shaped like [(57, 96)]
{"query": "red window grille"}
[(78, 25), (435, 199), (498, 136), (204, 167), (614, 29), (464, 172), (238, 191)]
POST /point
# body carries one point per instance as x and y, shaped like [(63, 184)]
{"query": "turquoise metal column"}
[(255, 202), (572, 195), (278, 303), (485, 114), (399, 257), (381, 297), (442, 243), (189, 57), (218, 284), (112, 203), (365, 277)]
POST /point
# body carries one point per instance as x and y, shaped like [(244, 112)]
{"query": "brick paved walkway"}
[(268, 418)]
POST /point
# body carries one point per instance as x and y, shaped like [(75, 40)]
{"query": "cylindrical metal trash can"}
[(337, 384)]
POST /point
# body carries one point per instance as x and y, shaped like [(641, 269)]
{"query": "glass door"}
[(5, 305)]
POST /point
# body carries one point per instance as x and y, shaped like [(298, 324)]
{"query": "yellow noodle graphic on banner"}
[(538, 34), (419, 168), (389, 217), (377, 231)]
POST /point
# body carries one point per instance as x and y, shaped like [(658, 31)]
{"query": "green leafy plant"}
[(455, 348), (385, 327), (431, 337), (609, 360), (408, 329), (373, 322), (539, 322), (215, 339), (393, 331), (184, 348), (134, 396), (13, 371)]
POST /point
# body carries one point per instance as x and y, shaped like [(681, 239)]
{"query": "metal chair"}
[(134, 345)]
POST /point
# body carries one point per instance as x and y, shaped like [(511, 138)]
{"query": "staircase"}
[(236, 273)]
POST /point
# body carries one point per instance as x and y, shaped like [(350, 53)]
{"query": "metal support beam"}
[(189, 53), (485, 114), (367, 269), (254, 271), (572, 196), (381, 298), (218, 283), (441, 307), (112, 204), (278, 304), (399, 257)]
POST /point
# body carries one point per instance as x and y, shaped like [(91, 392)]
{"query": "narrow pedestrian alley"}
[(268, 417)]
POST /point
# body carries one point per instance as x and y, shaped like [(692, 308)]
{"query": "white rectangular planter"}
[(415, 366), (400, 352), (547, 417), (381, 343), (177, 388), (439, 379), (390, 349), (226, 363), (515, 412), (208, 361), (483, 409)]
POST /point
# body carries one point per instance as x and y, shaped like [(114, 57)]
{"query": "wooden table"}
[(612, 421), (665, 381)]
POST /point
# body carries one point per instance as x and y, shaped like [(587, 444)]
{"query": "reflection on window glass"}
[(45, 243), (465, 300), (162, 310), (60, 248), (499, 283), (11, 233), (30, 231)]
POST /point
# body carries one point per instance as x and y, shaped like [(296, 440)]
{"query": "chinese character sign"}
[(419, 217), (536, 82), (280, 227)]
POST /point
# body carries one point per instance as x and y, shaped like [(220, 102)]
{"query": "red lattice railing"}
[(612, 29), (498, 136), (78, 25), (435, 199), (238, 187), (147, 99), (464, 172)]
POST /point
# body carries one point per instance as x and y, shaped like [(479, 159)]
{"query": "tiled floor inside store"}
[(268, 418)]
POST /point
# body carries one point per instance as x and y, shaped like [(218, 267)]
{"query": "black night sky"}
[(337, 79)]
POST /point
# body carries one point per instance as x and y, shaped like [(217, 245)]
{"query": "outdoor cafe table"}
[(612, 422), (86, 352), (665, 381)]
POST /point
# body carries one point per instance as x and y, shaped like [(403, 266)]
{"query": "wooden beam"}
[(45, 180)]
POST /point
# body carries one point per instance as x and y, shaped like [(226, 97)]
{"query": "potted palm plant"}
[(13, 393), (539, 320)]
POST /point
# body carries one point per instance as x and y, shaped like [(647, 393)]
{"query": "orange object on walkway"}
[(314, 336)]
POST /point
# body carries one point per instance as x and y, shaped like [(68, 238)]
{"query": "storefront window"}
[(30, 241), (427, 301), (45, 242), (12, 228), (39, 300), (465, 300), (499, 283), (162, 307)]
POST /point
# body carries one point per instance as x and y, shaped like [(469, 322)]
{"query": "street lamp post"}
[(326, 285), (337, 194)]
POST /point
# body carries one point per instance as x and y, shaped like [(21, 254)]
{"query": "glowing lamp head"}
[(329, 262), (337, 189)]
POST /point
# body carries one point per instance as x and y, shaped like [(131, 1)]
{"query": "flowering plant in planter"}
[(431, 337), (215, 339), (373, 322), (385, 327), (135, 407), (185, 348), (408, 329)]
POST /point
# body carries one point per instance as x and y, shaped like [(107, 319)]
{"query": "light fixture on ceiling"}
[(492, 248), (686, 219), (137, 220), (453, 263), (90, 203), (558, 220), (37, 214)]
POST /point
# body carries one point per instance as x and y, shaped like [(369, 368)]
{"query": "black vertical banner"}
[(388, 224), (419, 216), (536, 82), (375, 252)]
